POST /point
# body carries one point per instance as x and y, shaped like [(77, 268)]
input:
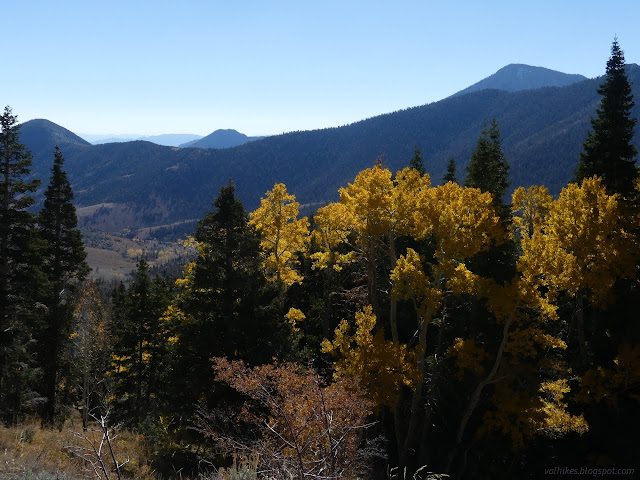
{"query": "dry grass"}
[(28, 452)]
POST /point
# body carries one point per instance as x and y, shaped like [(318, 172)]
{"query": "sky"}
[(265, 67)]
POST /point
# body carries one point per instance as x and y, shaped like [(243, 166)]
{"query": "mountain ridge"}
[(542, 129), (221, 138), (517, 77)]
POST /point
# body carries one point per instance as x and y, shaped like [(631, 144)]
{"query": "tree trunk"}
[(475, 397)]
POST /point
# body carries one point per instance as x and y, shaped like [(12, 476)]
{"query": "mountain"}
[(167, 139), (220, 139), (124, 186), (517, 77), (41, 134)]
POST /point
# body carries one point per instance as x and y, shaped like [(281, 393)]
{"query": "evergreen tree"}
[(450, 176), (227, 308), (19, 273), (141, 347), (608, 151), (64, 267), (488, 170), (417, 162)]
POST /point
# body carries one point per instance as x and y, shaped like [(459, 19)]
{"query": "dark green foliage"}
[(64, 267), (488, 169), (19, 274), (231, 310), (140, 353), (417, 163), (450, 176), (608, 149)]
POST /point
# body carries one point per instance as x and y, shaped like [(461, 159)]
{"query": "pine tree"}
[(19, 273), (65, 267), (488, 169), (226, 306), (417, 163), (450, 176), (141, 347), (608, 151)]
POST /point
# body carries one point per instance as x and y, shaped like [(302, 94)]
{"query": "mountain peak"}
[(518, 76), (48, 133), (221, 138)]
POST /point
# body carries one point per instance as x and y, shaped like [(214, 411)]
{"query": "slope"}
[(220, 139), (143, 184), (517, 77)]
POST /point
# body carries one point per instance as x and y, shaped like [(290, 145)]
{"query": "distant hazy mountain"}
[(517, 77), (141, 184), (220, 139), (168, 139)]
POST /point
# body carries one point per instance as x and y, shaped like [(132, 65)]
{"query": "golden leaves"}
[(282, 234), (381, 366), (468, 356), (333, 227), (294, 316), (582, 244), (600, 383), (411, 283), (463, 220), (533, 206)]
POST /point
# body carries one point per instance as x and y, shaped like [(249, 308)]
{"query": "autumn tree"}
[(20, 277), (282, 234), (608, 151), (376, 209), (91, 349), (64, 267), (585, 248), (302, 427)]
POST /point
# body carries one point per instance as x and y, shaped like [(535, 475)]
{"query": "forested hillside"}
[(542, 131)]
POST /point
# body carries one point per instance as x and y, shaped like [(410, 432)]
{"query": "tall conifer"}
[(18, 272), (488, 169), (417, 163), (140, 349), (608, 151), (450, 176), (64, 267)]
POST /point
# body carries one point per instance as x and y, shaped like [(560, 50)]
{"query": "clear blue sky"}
[(267, 67)]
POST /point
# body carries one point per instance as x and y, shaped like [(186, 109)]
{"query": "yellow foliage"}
[(524, 342), (463, 220), (186, 281), (378, 203), (555, 416), (533, 206), (600, 383), (520, 415), (381, 366), (582, 244), (369, 198), (468, 356), (411, 283), (282, 234), (295, 316), (134, 252), (333, 227)]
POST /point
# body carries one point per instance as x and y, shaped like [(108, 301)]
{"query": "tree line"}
[(441, 329)]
